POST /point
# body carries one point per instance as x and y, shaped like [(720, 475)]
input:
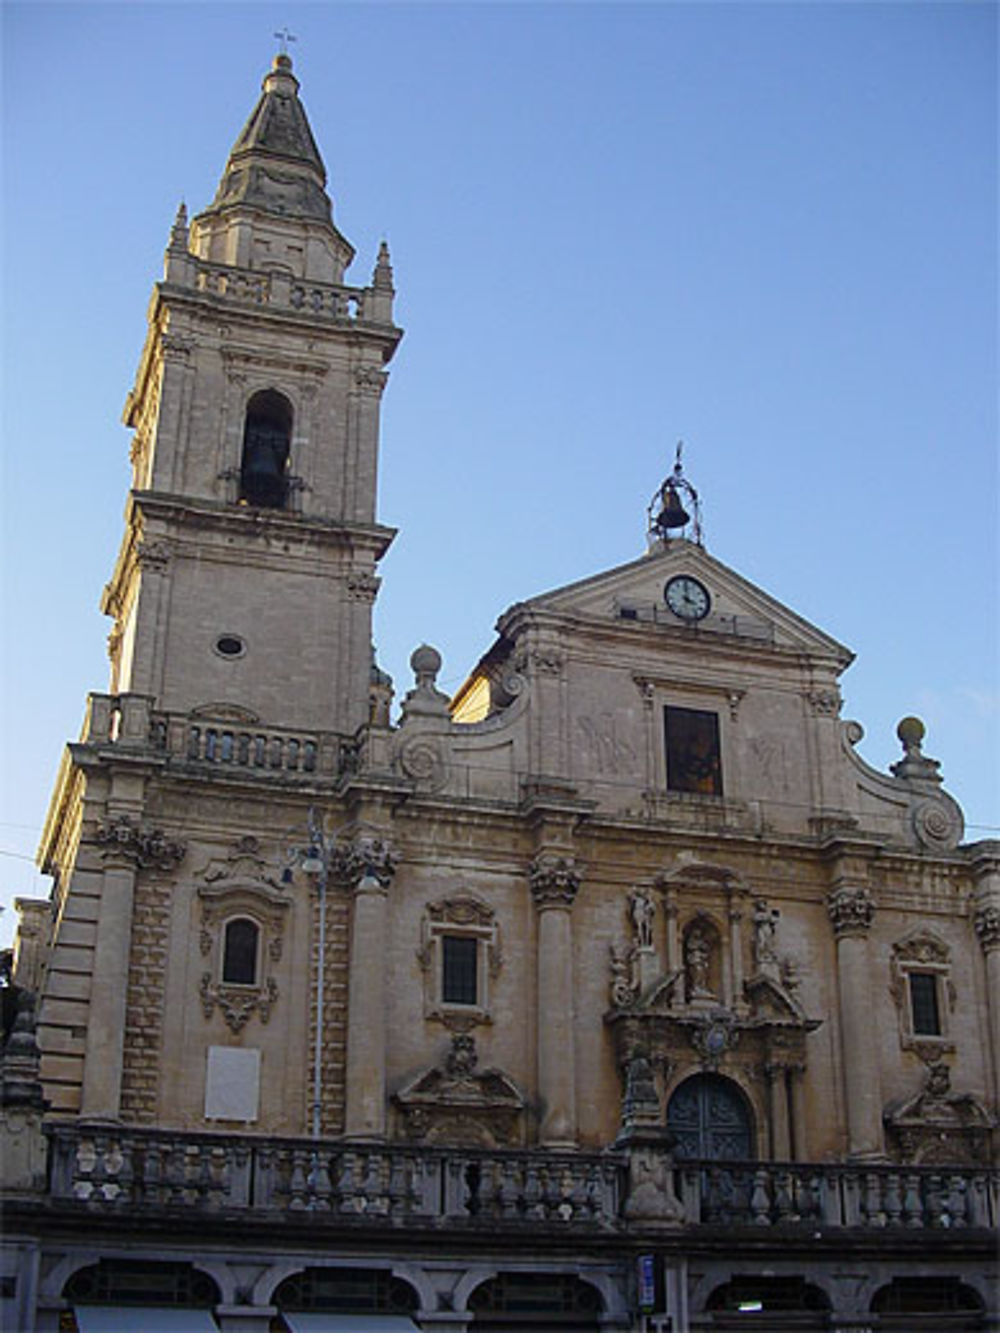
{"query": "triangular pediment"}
[(633, 595)]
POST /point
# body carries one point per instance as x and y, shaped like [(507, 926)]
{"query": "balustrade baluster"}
[(533, 1206), (760, 1203), (298, 1184), (936, 1215), (783, 1197), (320, 1188), (956, 1200), (872, 1201), (913, 1208), (892, 1200)]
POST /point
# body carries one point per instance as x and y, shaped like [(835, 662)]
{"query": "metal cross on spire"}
[(284, 37)]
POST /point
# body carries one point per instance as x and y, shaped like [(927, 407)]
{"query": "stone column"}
[(800, 1149), (851, 910), (368, 865), (554, 884), (987, 926), (126, 847), (777, 1094), (674, 961)]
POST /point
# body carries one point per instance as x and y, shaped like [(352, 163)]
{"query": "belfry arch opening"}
[(267, 437)]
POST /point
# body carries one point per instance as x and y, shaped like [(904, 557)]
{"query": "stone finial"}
[(425, 699), (914, 764), (851, 910), (382, 274), (20, 1084), (380, 692), (179, 230)]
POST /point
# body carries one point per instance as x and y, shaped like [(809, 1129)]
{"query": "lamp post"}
[(314, 861)]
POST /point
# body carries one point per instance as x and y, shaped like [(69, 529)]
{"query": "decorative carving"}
[(153, 556), (425, 760), (367, 856), (363, 586), (651, 1199), (238, 1003), (371, 381), (987, 926), (765, 925), (698, 944), (555, 880), (642, 910), (850, 910), (146, 848), (457, 1105), (940, 1126), (825, 703), (937, 825), (713, 1036), (461, 911), (547, 661), (624, 990), (177, 346)]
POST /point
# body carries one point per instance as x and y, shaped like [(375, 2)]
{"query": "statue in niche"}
[(642, 910), (697, 962)]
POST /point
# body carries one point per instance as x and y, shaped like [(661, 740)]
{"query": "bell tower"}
[(246, 575)]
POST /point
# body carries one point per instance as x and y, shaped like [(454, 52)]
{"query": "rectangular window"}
[(694, 761), (924, 1004), (458, 969)]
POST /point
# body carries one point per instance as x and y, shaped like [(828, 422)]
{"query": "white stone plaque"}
[(232, 1083)]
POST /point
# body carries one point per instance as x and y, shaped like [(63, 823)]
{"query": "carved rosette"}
[(938, 825), (851, 910), (555, 880), (424, 759), (145, 848), (987, 926)]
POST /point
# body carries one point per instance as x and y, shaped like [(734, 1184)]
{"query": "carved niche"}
[(239, 889)]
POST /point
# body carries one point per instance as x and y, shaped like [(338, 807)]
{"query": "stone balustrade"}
[(128, 720), (137, 1168), (279, 290)]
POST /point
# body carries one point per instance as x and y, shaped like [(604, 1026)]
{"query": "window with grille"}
[(459, 969), (924, 1011)]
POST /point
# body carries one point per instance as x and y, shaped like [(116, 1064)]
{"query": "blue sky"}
[(769, 230)]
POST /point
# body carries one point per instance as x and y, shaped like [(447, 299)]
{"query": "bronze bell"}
[(263, 480), (672, 513)]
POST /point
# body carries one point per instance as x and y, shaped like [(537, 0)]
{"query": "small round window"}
[(230, 645)]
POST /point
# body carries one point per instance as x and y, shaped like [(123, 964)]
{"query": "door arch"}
[(711, 1119)]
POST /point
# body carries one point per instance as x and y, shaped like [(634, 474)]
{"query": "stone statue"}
[(765, 923), (697, 960), (642, 910)]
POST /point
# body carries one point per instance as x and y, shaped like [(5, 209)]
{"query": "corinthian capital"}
[(367, 856), (987, 923), (554, 880), (145, 848), (851, 910)]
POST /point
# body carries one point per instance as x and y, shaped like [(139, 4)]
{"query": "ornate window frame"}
[(220, 906), (465, 917), (922, 952)]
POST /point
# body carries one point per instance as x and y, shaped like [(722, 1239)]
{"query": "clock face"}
[(687, 598)]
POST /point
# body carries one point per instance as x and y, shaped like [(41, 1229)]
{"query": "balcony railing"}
[(146, 1170)]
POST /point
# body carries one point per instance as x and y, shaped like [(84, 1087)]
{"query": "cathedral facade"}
[(615, 992)]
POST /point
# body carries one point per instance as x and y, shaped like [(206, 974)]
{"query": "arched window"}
[(239, 952), (932, 1303), (535, 1301), (267, 435), (711, 1119), (748, 1301), (145, 1282), (356, 1291)]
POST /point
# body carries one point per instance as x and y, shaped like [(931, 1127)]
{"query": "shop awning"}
[(147, 1318), (348, 1323)]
